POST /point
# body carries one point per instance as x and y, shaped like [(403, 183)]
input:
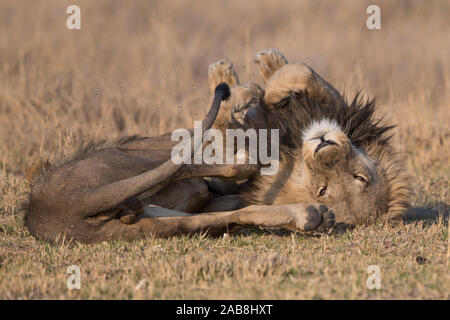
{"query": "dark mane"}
[(357, 120), (299, 110)]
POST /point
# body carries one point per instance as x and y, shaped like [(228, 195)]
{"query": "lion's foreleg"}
[(297, 217)]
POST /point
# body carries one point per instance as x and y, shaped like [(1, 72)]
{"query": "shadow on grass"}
[(428, 215)]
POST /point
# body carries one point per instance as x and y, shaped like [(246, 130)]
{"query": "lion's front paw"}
[(328, 220), (319, 218)]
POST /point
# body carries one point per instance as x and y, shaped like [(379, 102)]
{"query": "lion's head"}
[(338, 155), (342, 175)]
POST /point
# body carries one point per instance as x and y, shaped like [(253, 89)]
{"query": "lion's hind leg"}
[(222, 71)]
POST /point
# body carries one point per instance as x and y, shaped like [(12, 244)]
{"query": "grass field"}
[(140, 67)]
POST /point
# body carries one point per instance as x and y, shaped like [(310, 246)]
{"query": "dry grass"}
[(140, 67)]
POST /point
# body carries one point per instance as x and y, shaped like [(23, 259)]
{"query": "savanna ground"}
[(140, 67)]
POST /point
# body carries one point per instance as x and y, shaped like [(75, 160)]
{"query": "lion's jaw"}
[(339, 174)]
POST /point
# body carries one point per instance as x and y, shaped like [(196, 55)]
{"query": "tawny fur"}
[(318, 128)]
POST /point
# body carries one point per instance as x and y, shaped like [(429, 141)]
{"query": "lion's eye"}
[(360, 177), (321, 191)]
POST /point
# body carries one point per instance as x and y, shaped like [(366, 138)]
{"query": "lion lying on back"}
[(332, 152), (336, 165)]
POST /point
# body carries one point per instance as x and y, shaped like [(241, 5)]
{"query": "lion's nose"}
[(323, 143)]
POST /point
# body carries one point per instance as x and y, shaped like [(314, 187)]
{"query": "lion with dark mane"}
[(336, 165)]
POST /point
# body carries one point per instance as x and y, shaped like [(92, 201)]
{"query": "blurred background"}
[(141, 67)]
